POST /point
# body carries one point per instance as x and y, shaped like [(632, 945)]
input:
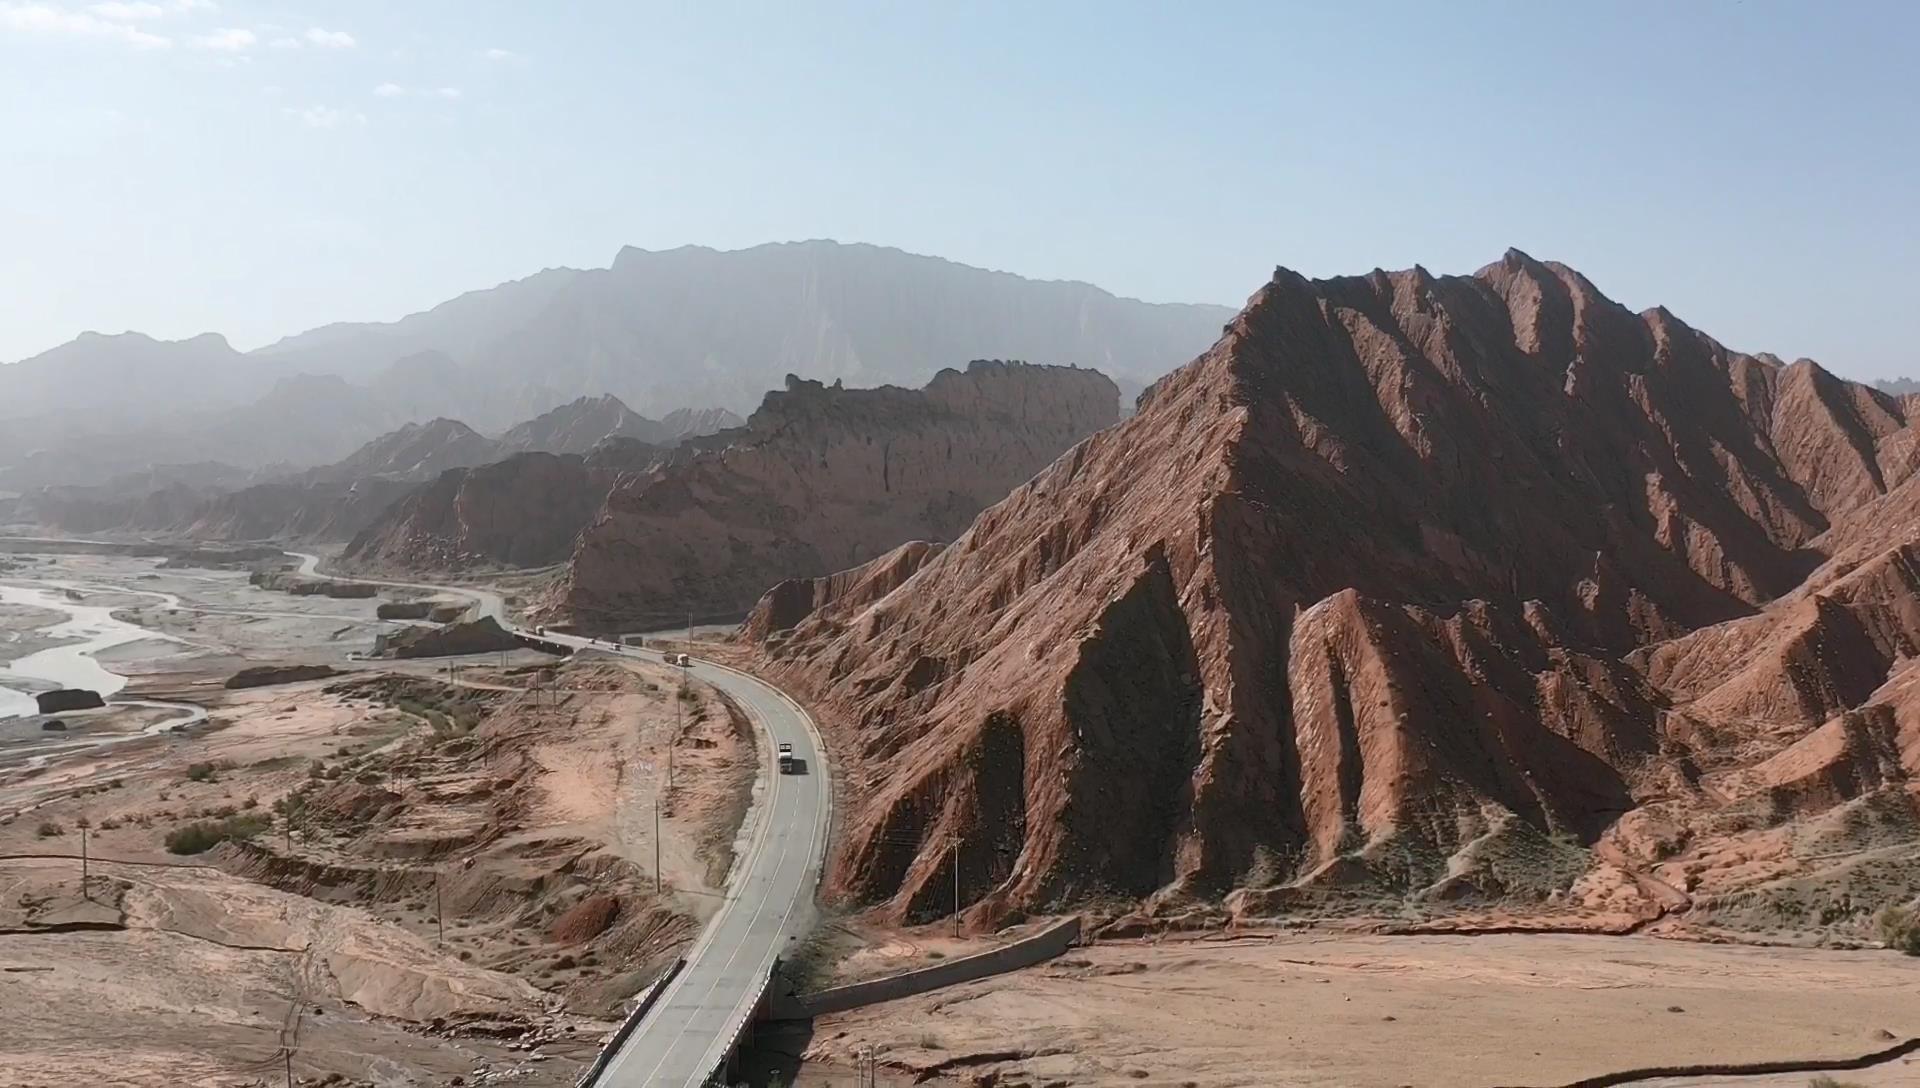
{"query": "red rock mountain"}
[(820, 478), (1421, 585), (524, 511)]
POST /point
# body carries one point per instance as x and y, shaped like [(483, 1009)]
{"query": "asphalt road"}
[(770, 898)]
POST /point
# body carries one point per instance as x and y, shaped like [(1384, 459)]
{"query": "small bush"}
[(201, 772), (1900, 929), (203, 835), (49, 830), (1829, 1082)]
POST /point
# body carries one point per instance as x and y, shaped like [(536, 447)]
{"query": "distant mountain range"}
[(334, 501), (688, 328)]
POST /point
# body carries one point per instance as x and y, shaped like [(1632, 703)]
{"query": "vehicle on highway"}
[(681, 660), (786, 758)]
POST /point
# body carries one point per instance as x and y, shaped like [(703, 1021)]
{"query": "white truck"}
[(681, 660), (786, 758)]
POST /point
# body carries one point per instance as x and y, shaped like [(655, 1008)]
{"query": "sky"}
[(258, 168)]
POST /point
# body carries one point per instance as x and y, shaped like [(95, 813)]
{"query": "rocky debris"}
[(258, 676), (1412, 586), (63, 700), (403, 610), (586, 920), (479, 636), (821, 478), (448, 612)]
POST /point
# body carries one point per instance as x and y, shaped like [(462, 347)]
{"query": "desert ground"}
[(391, 876), (1340, 1010)]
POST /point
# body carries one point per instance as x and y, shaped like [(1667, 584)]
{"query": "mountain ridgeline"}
[(658, 331), (336, 501), (1432, 588)]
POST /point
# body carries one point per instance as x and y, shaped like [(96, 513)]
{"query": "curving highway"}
[(769, 904)]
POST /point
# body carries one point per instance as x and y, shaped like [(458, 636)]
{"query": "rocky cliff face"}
[(820, 479), (521, 512), (1415, 584)]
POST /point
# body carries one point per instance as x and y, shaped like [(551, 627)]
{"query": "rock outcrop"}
[(820, 479), (590, 422), (481, 636), (1411, 583), (524, 511), (63, 700), (259, 676), (299, 585), (784, 606)]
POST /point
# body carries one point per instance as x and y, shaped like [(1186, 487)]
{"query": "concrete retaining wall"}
[(1025, 952)]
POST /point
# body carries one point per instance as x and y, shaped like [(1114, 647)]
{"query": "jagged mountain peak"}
[(1355, 587)]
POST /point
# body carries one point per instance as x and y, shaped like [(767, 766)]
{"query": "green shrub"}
[(203, 835), (1900, 929), (49, 830)]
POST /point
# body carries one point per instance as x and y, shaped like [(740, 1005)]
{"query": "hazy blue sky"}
[(177, 166)]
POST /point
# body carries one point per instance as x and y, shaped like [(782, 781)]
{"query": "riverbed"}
[(87, 631)]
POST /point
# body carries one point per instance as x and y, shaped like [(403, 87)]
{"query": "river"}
[(70, 666)]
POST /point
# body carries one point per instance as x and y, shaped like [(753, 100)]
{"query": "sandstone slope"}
[(1413, 586), (521, 512), (821, 478)]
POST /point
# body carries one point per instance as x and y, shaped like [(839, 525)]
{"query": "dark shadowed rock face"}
[(820, 479), (258, 676), (64, 700), (474, 637), (1407, 572), (784, 606), (521, 512)]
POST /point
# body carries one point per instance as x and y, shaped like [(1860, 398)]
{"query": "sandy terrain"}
[(514, 807), (1341, 1011)]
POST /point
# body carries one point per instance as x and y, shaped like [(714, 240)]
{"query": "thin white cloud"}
[(227, 39), (125, 12), (136, 10), (329, 39), (326, 117), (502, 55), (284, 43), (395, 90), (39, 18)]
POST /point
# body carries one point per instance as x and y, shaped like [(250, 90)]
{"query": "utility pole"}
[(439, 907), (288, 1052), (83, 864), (956, 887), (656, 844)]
